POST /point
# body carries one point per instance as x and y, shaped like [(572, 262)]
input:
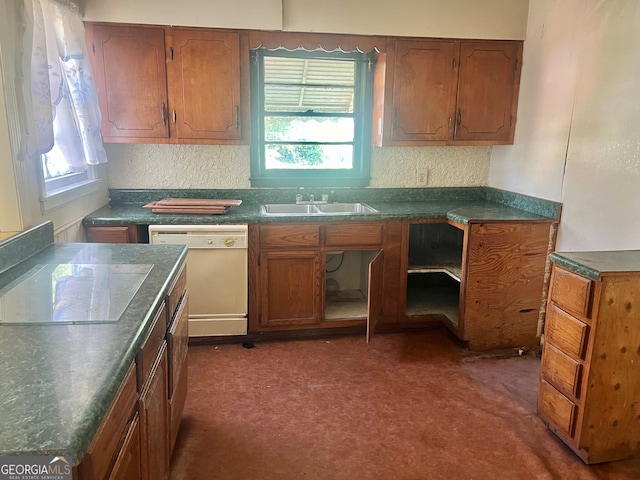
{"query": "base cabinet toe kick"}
[(138, 433)]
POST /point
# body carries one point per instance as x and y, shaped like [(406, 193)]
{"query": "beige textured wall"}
[(577, 138), (201, 166)]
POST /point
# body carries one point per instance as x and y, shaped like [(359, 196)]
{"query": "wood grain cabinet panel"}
[(603, 359), (162, 84), (446, 92), (127, 465), (130, 74), (112, 234), (502, 285), (557, 408), (206, 84), (561, 371), (349, 235), (488, 87), (566, 332), (153, 407), (424, 81), (571, 292), (292, 236), (291, 288)]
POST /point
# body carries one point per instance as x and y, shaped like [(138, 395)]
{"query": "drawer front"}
[(289, 236), (557, 409), (566, 332), (176, 292), (571, 291), (147, 354), (349, 235), (560, 370)]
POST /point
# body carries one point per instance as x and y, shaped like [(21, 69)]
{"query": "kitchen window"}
[(311, 118)]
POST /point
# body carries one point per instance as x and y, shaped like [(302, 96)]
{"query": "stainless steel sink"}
[(346, 208), (293, 209)]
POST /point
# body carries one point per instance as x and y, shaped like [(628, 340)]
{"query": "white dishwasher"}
[(216, 275)]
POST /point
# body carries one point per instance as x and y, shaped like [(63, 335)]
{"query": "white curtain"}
[(61, 84)]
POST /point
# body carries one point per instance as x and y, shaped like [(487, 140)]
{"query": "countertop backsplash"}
[(220, 166)]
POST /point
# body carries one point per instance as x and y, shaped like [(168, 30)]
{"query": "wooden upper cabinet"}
[(488, 85), (446, 92), (160, 84), (423, 90), (130, 75), (206, 84)]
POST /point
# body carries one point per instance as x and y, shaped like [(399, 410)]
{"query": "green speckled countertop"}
[(463, 205), (58, 380), (594, 264)]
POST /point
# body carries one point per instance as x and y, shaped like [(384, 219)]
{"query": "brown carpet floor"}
[(407, 406)]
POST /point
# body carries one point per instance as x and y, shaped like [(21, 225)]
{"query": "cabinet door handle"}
[(459, 120), (174, 116), (237, 116), (164, 114), (450, 120), (395, 118)]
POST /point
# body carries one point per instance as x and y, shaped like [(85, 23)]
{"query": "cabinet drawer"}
[(560, 370), (147, 354), (111, 431), (289, 236), (566, 332), (556, 408), (176, 292), (349, 235), (571, 291)]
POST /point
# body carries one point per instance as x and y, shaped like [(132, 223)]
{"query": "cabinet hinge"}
[(369, 65), (254, 58), (171, 53)]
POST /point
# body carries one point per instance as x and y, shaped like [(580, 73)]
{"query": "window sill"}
[(63, 195)]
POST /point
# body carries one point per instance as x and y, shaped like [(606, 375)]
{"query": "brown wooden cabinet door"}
[(153, 408), (206, 84), (290, 288), (424, 83), (130, 74), (488, 85), (127, 466), (374, 294)]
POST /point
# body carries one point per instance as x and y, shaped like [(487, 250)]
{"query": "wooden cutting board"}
[(187, 209), (199, 202)]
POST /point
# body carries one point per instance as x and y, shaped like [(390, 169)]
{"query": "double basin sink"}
[(293, 209)]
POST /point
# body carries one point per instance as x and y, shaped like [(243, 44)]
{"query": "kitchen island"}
[(62, 373)]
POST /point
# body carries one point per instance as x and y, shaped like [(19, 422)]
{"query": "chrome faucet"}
[(312, 199)]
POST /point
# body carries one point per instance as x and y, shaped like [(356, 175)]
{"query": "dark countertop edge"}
[(600, 266)]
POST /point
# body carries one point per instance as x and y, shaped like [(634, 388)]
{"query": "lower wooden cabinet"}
[(305, 274), (484, 280), (589, 392), (112, 234)]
